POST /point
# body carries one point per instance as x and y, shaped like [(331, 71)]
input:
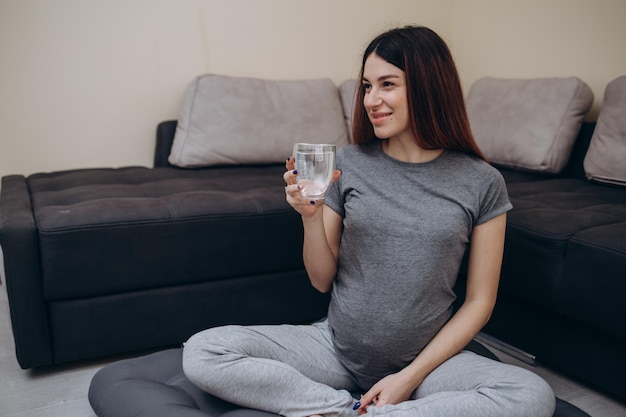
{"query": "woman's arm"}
[(321, 248), (322, 233), (483, 275)]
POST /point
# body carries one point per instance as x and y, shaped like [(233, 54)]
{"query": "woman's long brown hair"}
[(434, 91)]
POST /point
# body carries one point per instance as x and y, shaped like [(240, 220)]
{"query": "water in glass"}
[(315, 164)]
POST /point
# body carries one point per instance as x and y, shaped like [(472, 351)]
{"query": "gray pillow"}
[(605, 160), (347, 92), (528, 124), (234, 120)]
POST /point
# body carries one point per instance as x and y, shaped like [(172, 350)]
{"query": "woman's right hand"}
[(307, 208)]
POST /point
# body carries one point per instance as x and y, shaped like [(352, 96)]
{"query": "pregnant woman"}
[(412, 195)]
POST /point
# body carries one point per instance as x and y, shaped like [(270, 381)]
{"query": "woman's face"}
[(385, 98)]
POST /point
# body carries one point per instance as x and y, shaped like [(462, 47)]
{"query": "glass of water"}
[(315, 164)]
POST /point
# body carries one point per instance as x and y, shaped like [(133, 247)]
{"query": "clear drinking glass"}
[(315, 164)]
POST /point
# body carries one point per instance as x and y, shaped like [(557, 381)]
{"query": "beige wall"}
[(541, 38), (83, 83)]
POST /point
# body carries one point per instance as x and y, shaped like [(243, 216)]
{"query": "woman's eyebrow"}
[(384, 77)]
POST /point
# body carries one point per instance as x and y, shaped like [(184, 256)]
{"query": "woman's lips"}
[(379, 117)]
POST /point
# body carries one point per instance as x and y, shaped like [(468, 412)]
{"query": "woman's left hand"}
[(392, 389)]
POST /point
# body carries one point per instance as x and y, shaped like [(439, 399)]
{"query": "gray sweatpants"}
[(293, 371)]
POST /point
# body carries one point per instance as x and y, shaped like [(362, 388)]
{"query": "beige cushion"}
[(528, 124), (606, 158), (231, 120)]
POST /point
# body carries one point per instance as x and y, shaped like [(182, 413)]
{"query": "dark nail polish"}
[(295, 172), (312, 202), (357, 405)]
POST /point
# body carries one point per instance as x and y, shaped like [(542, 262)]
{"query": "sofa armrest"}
[(20, 245), (164, 139)]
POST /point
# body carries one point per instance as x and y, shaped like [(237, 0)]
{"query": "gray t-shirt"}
[(406, 227)]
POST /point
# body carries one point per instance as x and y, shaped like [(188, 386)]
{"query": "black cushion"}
[(155, 386), (595, 270), (109, 231), (564, 240)]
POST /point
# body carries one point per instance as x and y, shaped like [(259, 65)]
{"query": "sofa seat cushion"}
[(106, 231), (596, 274), (546, 217)]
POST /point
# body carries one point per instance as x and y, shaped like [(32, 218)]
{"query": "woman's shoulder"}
[(472, 166), (471, 161)]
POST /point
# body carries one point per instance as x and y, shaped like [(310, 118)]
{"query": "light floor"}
[(61, 391)]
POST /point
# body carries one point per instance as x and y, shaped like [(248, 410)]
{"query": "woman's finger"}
[(290, 177), (367, 399), (290, 164), (293, 190)]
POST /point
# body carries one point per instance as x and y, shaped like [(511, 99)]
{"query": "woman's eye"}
[(387, 84), (367, 87)]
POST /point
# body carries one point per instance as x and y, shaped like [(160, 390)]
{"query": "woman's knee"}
[(544, 397), (203, 350), (516, 390), (531, 395)]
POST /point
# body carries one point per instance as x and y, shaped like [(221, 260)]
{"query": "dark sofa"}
[(105, 261), (563, 275)]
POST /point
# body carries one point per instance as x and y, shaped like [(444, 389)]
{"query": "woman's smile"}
[(379, 117)]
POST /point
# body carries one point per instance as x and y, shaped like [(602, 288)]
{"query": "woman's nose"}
[(372, 99)]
